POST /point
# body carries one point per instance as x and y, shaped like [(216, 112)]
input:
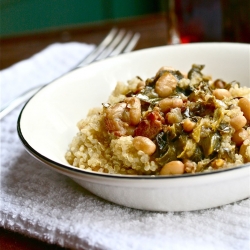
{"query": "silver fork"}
[(116, 42)]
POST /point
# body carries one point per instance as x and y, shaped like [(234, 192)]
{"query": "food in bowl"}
[(168, 124)]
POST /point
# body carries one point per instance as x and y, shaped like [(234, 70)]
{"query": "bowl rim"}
[(52, 163)]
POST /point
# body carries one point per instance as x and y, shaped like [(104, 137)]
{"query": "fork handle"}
[(19, 100)]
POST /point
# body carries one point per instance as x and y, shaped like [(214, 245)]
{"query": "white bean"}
[(172, 167), (238, 122), (144, 144), (134, 107), (245, 152), (221, 93), (164, 68), (165, 85), (174, 116), (239, 136), (188, 125), (168, 103), (244, 105)]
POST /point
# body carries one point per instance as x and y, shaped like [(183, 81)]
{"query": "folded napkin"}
[(43, 204)]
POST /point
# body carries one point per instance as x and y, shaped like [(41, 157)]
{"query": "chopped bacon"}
[(150, 125)]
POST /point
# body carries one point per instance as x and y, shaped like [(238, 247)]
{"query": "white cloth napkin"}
[(43, 204)]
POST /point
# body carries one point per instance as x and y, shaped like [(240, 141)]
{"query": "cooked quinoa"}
[(171, 123)]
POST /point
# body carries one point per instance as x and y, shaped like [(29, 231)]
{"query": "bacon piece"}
[(150, 125)]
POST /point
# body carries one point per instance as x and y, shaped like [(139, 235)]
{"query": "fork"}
[(116, 42)]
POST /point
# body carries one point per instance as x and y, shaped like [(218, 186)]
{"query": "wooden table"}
[(153, 33)]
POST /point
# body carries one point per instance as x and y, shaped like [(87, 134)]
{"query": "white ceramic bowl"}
[(47, 125)]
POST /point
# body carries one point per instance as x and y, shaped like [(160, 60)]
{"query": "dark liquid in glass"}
[(208, 20)]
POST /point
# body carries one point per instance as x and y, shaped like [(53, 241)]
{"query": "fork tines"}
[(115, 43)]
